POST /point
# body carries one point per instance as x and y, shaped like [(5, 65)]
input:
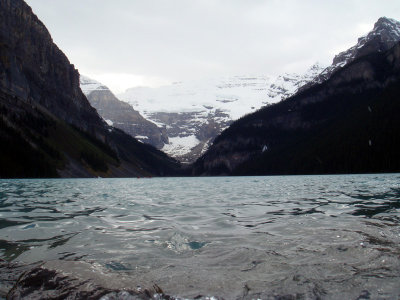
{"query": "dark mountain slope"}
[(347, 124), (47, 126)]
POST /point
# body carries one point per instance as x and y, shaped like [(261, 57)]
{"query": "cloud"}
[(119, 82), (180, 39)]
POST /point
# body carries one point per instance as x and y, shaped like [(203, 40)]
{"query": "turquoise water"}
[(333, 237)]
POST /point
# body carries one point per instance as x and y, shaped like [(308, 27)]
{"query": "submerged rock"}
[(73, 280), (41, 283), (9, 274), (62, 280)]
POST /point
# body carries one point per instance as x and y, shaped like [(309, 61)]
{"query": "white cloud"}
[(153, 42), (119, 82)]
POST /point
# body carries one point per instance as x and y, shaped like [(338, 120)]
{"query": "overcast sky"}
[(127, 43)]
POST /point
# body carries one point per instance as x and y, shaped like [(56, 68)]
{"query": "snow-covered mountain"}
[(120, 114), (190, 114), (195, 112), (384, 35)]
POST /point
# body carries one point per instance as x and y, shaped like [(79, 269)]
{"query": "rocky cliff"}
[(346, 124), (35, 70), (384, 35), (121, 115), (47, 126)]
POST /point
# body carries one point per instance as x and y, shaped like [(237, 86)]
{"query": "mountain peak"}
[(387, 30), (386, 23), (384, 35)]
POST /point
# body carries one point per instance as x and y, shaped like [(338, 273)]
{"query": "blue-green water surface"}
[(329, 237)]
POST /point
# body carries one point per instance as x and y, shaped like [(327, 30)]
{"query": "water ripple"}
[(311, 235)]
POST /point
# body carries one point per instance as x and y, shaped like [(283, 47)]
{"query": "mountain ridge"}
[(48, 127), (195, 112), (121, 115), (384, 35), (346, 124)]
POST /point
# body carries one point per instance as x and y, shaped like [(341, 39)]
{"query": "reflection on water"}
[(237, 237)]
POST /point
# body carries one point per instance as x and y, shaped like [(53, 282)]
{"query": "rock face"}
[(121, 115), (190, 133), (47, 126), (195, 112), (69, 280), (34, 69), (384, 35), (346, 124)]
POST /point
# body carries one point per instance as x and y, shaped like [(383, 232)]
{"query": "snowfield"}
[(219, 100), (179, 146), (235, 96), (194, 112)]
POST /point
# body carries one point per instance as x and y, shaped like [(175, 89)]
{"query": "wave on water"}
[(280, 237)]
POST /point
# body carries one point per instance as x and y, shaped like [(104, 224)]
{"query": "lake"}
[(299, 237)]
